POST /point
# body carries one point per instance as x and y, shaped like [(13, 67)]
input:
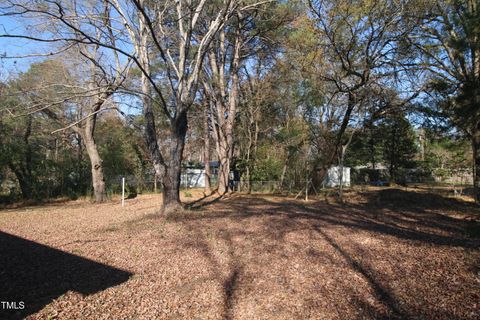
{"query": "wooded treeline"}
[(278, 90)]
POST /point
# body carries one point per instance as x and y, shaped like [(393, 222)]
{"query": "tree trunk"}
[(225, 155), (25, 187), (284, 172), (247, 179), (171, 187), (173, 165), (208, 174), (223, 172), (24, 183), (206, 154), (306, 186), (343, 150), (476, 162), (393, 156), (372, 148), (322, 172), (225, 103), (340, 186), (247, 173), (98, 180), (23, 168), (170, 180)]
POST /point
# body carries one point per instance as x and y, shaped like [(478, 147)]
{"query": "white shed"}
[(332, 179), (193, 178)]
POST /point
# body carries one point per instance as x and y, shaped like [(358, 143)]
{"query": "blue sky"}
[(11, 47)]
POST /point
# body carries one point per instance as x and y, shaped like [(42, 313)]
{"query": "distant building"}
[(332, 179), (194, 177)]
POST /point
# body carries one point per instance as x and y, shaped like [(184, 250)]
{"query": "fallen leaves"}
[(254, 257)]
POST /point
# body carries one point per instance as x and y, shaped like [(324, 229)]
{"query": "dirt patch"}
[(244, 257)]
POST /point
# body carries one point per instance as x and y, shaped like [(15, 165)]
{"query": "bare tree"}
[(361, 48), (222, 89), (447, 40), (173, 35), (72, 103), (206, 150), (255, 95), (75, 92), (237, 42), (180, 33)]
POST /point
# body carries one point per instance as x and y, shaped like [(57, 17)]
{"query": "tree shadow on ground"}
[(229, 287), (382, 294), (421, 216), (424, 200), (37, 274), (227, 271), (408, 217), (203, 202)]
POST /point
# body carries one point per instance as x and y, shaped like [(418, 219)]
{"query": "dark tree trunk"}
[(476, 162), (372, 147), (171, 187), (393, 156), (25, 187), (173, 165), (24, 182)]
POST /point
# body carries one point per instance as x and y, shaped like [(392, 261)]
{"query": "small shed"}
[(332, 179), (193, 178)]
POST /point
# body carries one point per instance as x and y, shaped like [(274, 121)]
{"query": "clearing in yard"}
[(389, 254)]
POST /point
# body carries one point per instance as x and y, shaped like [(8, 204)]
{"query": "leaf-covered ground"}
[(387, 254)]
